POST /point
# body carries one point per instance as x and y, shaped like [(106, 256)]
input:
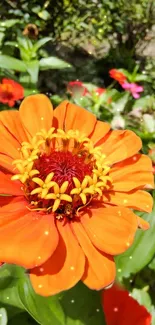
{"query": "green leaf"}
[(141, 252), (7, 62), (17, 291), (32, 68), (152, 264), (40, 43), (142, 77), (9, 23), (141, 102), (44, 14), (119, 104), (53, 63), (22, 318), (11, 43), (9, 278), (82, 306), (30, 91), (142, 297), (45, 311), (2, 35), (3, 316)]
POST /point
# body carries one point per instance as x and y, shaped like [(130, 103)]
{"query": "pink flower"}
[(133, 88)]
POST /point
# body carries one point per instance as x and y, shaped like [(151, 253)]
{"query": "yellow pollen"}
[(46, 194)]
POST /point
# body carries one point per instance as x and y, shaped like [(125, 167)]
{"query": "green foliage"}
[(77, 304)]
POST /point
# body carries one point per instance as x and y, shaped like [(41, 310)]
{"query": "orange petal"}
[(27, 238), (8, 144), (59, 115), (70, 116), (137, 199), (100, 268), (36, 113), (112, 229), (6, 162), (143, 224), (9, 187), (11, 121), (5, 200), (119, 145), (132, 173), (100, 130), (65, 267)]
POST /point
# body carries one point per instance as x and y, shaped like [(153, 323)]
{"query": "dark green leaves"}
[(78, 305)]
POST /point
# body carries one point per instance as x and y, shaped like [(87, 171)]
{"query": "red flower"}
[(10, 91), (117, 75), (99, 91), (121, 309), (75, 87)]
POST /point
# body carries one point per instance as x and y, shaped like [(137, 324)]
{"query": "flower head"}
[(10, 91), (133, 88), (121, 309), (99, 91), (77, 87), (71, 183), (117, 75), (31, 30)]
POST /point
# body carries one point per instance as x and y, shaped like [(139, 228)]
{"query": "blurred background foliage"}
[(92, 35)]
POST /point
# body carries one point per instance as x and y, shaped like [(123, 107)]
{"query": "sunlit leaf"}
[(7, 62), (53, 63), (9, 22), (33, 70), (41, 42), (3, 316)]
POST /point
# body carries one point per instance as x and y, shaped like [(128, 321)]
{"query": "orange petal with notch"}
[(71, 116), (27, 238), (36, 113), (112, 229), (8, 144), (100, 267), (119, 145), (136, 199), (99, 132), (135, 172), (65, 267), (11, 121)]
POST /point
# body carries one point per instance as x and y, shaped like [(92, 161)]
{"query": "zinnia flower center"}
[(6, 91), (61, 172)]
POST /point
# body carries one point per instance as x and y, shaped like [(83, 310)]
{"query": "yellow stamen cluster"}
[(46, 142)]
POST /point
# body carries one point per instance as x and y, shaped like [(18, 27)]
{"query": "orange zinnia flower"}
[(121, 309), (73, 184), (117, 75), (10, 91)]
